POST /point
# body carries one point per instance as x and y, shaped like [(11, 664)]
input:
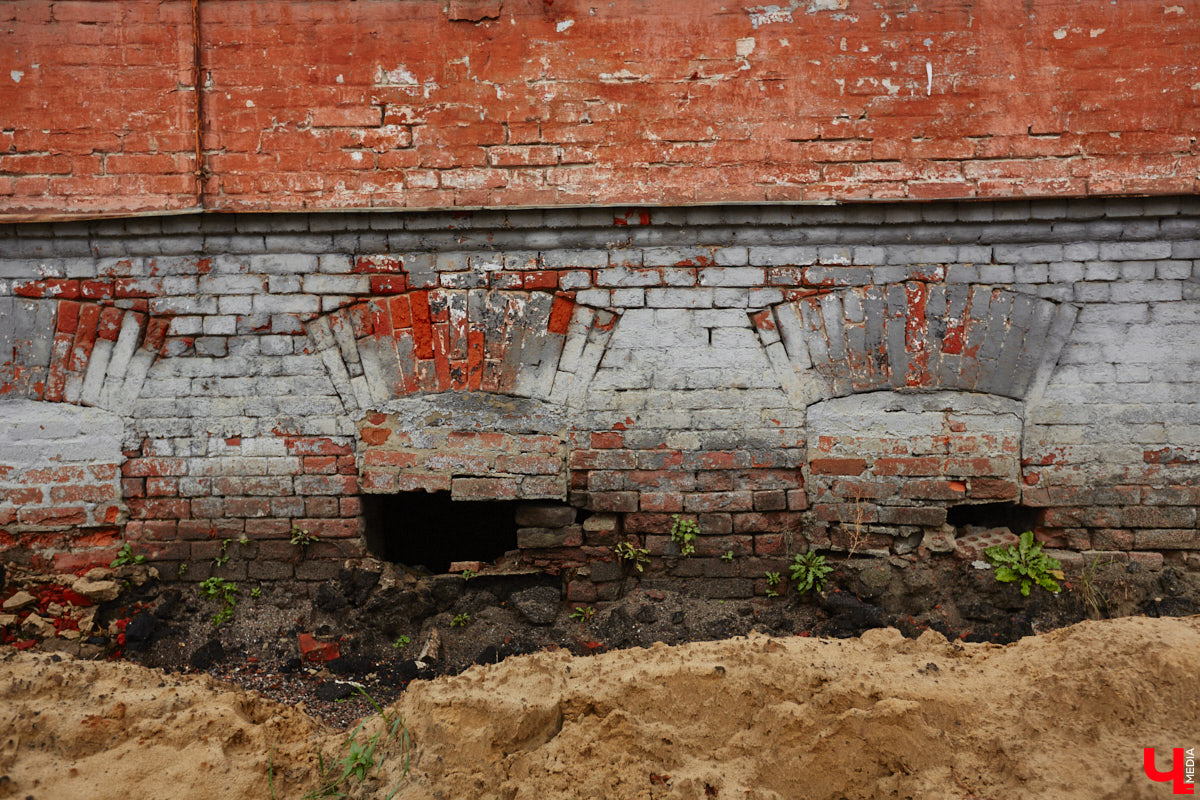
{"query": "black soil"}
[(382, 618)]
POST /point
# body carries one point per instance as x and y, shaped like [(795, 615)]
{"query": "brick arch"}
[(79, 352), (914, 336), (535, 344)]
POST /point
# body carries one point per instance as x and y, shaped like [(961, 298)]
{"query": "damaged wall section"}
[(733, 365)]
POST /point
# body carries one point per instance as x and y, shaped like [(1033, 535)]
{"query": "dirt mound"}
[(1062, 715)]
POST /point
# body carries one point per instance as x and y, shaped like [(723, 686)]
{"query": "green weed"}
[(809, 571), (358, 759), (1025, 562), (224, 591), (684, 533), (125, 556), (632, 555)]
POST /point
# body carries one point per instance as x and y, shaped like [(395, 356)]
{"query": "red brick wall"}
[(98, 112), (530, 102)]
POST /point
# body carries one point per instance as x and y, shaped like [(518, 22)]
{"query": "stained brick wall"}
[(308, 104), (782, 375)]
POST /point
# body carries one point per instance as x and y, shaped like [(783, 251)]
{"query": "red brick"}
[(925, 465), (837, 466), (375, 436), (52, 516), (718, 501), (607, 440)]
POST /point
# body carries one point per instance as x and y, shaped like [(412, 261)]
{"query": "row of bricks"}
[(375, 461), (59, 516), (906, 489), (1120, 517), (222, 314), (183, 528), (681, 480), (916, 466), (245, 507), (958, 441), (454, 440), (275, 486), (319, 243), (496, 486), (314, 264), (59, 495), (1027, 216), (1117, 495), (610, 453), (69, 474), (698, 502)]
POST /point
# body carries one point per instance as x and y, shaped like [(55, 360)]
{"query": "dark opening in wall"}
[(1015, 517), (428, 529)]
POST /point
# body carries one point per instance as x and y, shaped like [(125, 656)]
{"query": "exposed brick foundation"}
[(840, 378)]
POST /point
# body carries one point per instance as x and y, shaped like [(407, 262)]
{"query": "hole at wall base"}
[(428, 529), (1016, 518)]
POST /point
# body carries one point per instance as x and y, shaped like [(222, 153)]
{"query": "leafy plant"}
[(183, 568), (583, 613), (809, 571), (302, 538), (222, 558), (362, 757), (633, 555), (125, 556), (683, 534), (773, 581), (401, 641), (224, 591), (468, 574), (256, 592), (460, 620), (727, 556), (1025, 562)]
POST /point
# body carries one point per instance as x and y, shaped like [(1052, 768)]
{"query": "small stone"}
[(141, 627), (538, 605), (37, 627), (54, 610), (315, 651), (98, 574), (432, 647), (207, 654), (99, 591), (331, 691), (87, 619), (939, 541), (19, 601), (601, 523), (7, 619)]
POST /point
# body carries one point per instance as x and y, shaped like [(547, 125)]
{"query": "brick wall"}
[(310, 104), (60, 483), (783, 375)]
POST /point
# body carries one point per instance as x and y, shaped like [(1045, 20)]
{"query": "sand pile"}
[(1063, 715)]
